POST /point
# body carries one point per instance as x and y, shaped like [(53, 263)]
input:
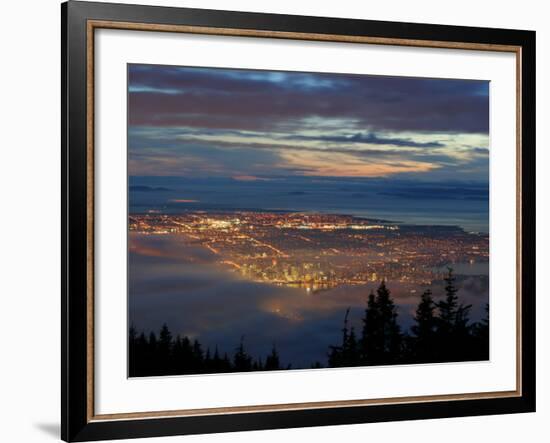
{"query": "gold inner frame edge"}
[(90, 110)]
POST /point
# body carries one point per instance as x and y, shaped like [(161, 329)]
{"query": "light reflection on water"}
[(173, 282)]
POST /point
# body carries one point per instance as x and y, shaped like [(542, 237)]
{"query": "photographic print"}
[(300, 220)]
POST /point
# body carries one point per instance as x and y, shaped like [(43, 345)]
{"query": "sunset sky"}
[(260, 125)]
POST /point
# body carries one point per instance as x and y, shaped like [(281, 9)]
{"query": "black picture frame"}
[(77, 424)]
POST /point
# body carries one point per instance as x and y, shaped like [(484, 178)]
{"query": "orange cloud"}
[(345, 165), (248, 178)]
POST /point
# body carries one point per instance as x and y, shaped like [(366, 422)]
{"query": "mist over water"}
[(174, 282)]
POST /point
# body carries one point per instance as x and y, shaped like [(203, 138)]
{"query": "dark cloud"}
[(141, 188), (272, 147), (483, 151), (262, 100), (370, 138)]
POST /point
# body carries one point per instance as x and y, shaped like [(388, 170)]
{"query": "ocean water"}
[(461, 204)]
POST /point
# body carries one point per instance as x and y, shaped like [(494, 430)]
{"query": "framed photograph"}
[(277, 221)]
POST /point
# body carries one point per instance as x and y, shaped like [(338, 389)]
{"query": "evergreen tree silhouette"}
[(349, 354), (187, 356), (272, 361), (152, 359), (164, 351), (371, 350), (351, 350), (142, 357), (481, 337), (338, 354), (462, 334), (226, 363), (258, 365), (220, 364), (208, 362), (217, 362), (132, 352), (242, 361), (152, 342), (423, 343), (381, 341), (165, 337), (390, 328), (449, 306), (453, 331), (198, 357)]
